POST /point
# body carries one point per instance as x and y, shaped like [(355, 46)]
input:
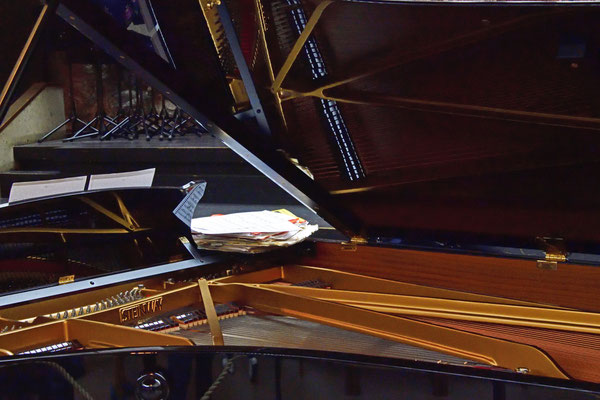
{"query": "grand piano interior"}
[(451, 148)]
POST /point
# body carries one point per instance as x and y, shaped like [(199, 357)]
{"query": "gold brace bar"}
[(125, 212), (262, 28), (475, 347), (129, 225), (291, 58), (21, 58), (446, 107), (361, 283), (533, 317), (211, 314), (89, 333)]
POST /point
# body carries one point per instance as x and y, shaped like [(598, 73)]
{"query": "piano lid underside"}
[(445, 117)]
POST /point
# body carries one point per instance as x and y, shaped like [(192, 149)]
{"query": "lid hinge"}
[(555, 253), (352, 244)]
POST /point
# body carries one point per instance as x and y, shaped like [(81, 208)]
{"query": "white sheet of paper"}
[(20, 191), (255, 221), (142, 178)]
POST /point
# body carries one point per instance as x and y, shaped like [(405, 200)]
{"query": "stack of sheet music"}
[(250, 232)]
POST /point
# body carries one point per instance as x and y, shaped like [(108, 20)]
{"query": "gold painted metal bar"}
[(9, 85), (361, 283), (291, 58), (21, 103), (452, 108), (108, 335), (125, 212), (533, 317), (211, 313), (103, 210), (475, 347), (89, 333), (260, 276), (262, 28)]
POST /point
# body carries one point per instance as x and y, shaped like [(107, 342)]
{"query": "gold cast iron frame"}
[(359, 303)]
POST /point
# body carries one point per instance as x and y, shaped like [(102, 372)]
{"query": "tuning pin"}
[(81, 310), (88, 309), (127, 295), (110, 302), (12, 328), (4, 329)]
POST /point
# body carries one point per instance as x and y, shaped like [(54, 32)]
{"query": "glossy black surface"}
[(267, 373), (42, 240)]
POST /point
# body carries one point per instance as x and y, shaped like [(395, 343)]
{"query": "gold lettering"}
[(140, 310)]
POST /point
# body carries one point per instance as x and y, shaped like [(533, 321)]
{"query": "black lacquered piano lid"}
[(470, 122), (89, 235)]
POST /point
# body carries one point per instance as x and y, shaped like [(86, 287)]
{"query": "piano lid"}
[(422, 122), (94, 237)]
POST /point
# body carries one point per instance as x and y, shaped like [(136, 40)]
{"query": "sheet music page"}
[(20, 191), (256, 221), (185, 209), (131, 179)]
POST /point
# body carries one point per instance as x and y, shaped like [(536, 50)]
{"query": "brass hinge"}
[(551, 260), (352, 244), (66, 279), (555, 253)]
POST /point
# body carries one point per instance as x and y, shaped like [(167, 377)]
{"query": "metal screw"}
[(522, 370)]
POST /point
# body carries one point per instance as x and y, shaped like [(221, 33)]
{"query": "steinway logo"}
[(131, 313)]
